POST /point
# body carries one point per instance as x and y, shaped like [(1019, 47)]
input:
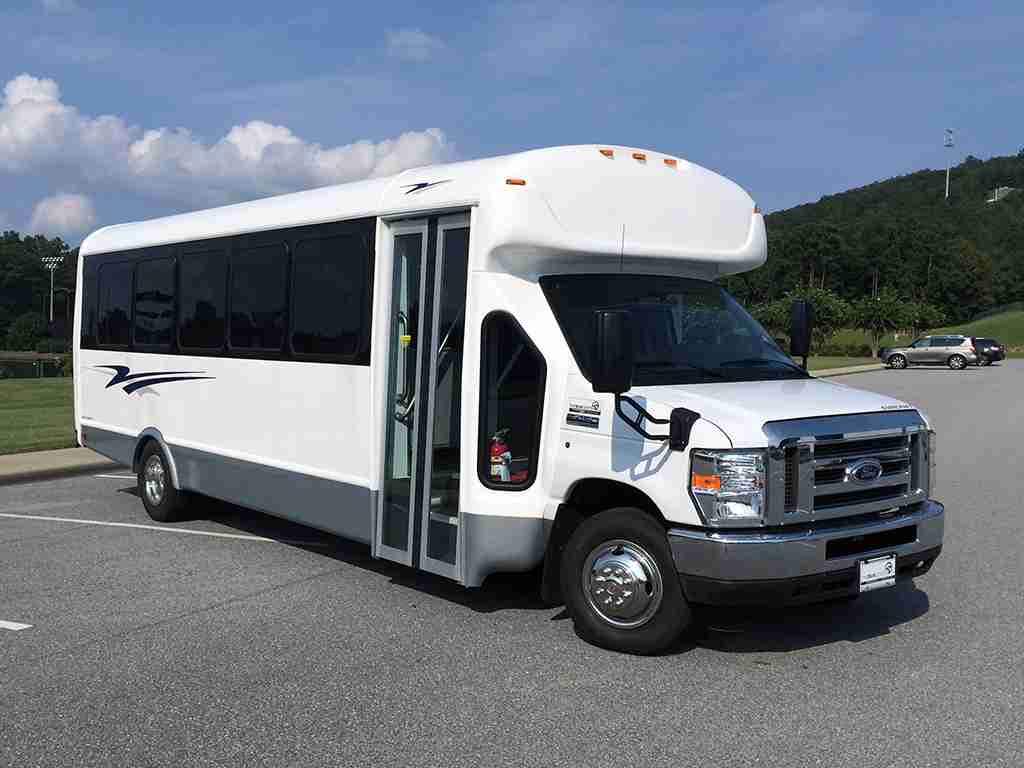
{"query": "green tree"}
[(831, 313), (26, 331), (881, 315), (921, 316)]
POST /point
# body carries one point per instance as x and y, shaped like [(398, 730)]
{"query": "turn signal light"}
[(705, 482), (516, 182)]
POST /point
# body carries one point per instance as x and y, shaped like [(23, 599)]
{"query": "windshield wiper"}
[(763, 361), (680, 366)]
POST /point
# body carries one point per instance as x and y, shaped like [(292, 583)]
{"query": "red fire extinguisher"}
[(501, 457)]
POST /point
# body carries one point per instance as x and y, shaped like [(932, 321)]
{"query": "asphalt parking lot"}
[(275, 645)]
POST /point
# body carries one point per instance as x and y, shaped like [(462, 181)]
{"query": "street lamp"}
[(51, 263), (948, 144)]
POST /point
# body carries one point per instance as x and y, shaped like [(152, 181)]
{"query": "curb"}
[(66, 469), (830, 372)]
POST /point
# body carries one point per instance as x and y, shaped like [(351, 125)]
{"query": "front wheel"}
[(620, 583), (898, 361), (957, 362)]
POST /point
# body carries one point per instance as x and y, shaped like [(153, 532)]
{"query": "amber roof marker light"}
[(516, 182), (607, 152), (671, 162), (757, 209), (640, 156)]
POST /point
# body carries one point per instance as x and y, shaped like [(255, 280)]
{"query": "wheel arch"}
[(586, 498), (153, 435)]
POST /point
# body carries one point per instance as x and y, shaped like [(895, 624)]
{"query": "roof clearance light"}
[(640, 156), (607, 152), (516, 182), (757, 209), (671, 162)]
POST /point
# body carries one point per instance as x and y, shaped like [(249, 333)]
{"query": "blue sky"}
[(109, 115)]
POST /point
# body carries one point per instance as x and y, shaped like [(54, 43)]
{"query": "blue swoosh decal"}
[(419, 186), (122, 374)]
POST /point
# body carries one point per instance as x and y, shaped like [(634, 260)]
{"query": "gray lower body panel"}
[(340, 508), (498, 543), (113, 445), (332, 506)]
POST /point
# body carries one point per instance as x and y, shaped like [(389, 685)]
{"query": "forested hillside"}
[(962, 256)]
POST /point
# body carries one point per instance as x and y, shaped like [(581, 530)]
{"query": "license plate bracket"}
[(877, 572)]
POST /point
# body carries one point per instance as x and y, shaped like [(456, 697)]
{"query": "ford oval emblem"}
[(864, 471)]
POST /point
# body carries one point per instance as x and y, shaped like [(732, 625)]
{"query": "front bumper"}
[(815, 562)]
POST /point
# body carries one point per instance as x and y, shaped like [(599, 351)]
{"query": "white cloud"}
[(42, 135), (63, 214), (413, 45), (60, 6)]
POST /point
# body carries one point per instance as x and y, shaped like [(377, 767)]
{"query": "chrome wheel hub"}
[(153, 480), (622, 583)]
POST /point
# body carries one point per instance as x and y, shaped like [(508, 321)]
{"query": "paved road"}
[(151, 648)]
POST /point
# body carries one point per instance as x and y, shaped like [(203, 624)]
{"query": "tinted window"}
[(204, 278), (940, 341), (114, 304), (259, 278), (685, 331), (512, 395), (331, 296), (89, 319), (154, 302)]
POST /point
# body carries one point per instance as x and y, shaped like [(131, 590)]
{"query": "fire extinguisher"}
[(501, 457)]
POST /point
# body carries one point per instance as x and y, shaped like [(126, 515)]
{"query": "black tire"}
[(898, 362), (167, 505), (957, 362), (630, 533)]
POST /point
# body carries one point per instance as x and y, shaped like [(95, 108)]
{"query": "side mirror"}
[(801, 320), (612, 368)]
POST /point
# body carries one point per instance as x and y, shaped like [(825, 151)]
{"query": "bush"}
[(25, 332), (51, 346)]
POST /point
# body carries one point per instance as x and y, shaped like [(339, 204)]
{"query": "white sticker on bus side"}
[(583, 413)]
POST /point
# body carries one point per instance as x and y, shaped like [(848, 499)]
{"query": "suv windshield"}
[(685, 331)]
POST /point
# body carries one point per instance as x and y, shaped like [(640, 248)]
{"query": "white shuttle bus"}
[(497, 365)]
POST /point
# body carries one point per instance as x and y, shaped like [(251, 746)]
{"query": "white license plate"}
[(877, 572)]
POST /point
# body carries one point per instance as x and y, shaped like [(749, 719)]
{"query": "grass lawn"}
[(35, 414), (821, 363)]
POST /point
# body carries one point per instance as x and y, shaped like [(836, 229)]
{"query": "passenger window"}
[(204, 276), (939, 341), (919, 343), (512, 399), (259, 278), (154, 303), (331, 285), (115, 300)]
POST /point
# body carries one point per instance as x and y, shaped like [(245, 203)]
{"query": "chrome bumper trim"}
[(766, 555)]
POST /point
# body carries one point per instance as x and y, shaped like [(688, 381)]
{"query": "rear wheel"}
[(898, 361), (162, 500), (957, 362), (620, 583)]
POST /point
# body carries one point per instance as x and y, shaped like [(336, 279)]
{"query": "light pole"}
[(948, 144), (51, 263)]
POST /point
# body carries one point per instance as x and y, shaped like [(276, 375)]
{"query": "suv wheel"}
[(620, 583), (898, 361), (957, 362)]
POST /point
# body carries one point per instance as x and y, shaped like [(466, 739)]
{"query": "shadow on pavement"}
[(758, 630), (731, 630)]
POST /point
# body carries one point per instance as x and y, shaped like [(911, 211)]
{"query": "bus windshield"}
[(685, 331)]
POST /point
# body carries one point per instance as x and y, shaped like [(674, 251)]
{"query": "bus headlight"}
[(729, 486)]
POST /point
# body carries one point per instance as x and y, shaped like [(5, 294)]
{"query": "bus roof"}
[(601, 201)]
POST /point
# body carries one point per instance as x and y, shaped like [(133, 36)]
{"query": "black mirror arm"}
[(635, 422)]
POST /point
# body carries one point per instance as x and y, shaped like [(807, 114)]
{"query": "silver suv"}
[(954, 350)]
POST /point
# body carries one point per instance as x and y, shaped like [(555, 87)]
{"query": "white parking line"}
[(192, 531), (14, 626), (117, 477)]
